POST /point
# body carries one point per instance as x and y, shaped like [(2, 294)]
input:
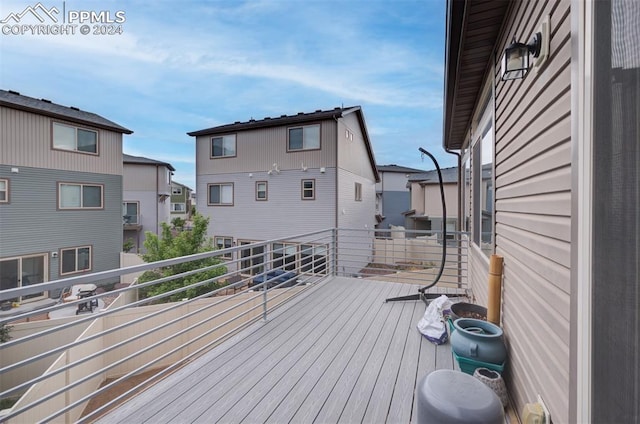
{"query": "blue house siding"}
[(393, 204), (31, 222)]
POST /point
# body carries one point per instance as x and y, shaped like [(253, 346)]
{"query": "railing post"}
[(264, 299), (334, 252)]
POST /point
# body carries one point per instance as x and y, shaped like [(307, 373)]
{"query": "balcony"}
[(320, 346)]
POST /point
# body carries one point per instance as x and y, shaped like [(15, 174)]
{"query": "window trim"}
[(75, 127), (289, 150), (7, 191), (60, 255), (173, 191), (235, 147), (228, 256), (302, 189), (101, 207), (45, 273), (137, 210), (184, 209), (220, 184), (266, 191), (358, 192)]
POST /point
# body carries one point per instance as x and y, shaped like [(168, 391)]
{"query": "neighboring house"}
[(146, 198), (563, 148), (180, 201), (60, 192), (264, 179), (426, 200), (392, 195)]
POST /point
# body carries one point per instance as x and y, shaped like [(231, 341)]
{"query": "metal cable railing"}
[(57, 366)]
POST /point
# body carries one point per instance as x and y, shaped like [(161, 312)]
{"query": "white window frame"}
[(304, 142), (183, 210), (76, 270), (224, 239), (81, 185), (225, 139), (303, 189), (75, 128), (221, 203), (124, 211), (4, 190), (176, 190), (358, 192), (258, 191), (287, 253), (45, 276)]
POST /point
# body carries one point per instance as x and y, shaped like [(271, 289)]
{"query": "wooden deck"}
[(338, 353)]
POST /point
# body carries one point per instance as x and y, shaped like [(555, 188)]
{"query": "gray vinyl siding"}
[(31, 222), (352, 154), (26, 141), (533, 212), (393, 204), (257, 150), (283, 214), (149, 210)]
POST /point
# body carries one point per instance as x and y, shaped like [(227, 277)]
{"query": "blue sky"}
[(181, 66)]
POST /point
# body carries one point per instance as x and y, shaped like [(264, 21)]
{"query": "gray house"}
[(392, 194), (146, 197), (425, 211), (60, 192), (263, 179), (556, 125)]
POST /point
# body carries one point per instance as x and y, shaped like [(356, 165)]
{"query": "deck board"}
[(337, 353)]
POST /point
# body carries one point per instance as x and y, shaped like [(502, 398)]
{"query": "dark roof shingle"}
[(140, 160), (15, 100)]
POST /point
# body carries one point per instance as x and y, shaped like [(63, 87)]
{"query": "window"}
[(224, 146), (284, 256), (130, 213), (313, 259), (308, 189), (176, 190), (252, 259), (221, 194), (79, 196), (66, 137), (178, 207), (482, 169), (23, 271), (224, 243), (4, 191), (76, 259), (358, 192), (261, 190), (304, 138)]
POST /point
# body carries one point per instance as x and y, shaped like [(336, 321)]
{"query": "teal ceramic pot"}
[(479, 340)]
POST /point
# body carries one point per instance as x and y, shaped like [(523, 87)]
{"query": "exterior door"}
[(23, 271)]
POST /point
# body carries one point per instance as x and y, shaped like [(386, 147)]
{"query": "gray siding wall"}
[(26, 141), (352, 154), (31, 223), (393, 204), (533, 212), (258, 150), (150, 215), (283, 214)]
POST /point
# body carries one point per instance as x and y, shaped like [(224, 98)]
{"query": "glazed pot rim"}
[(492, 330)]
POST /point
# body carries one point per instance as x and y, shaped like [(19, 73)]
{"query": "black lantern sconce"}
[(515, 61)]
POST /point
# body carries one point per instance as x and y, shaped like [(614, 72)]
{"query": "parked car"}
[(273, 278)]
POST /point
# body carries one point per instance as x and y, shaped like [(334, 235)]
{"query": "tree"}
[(178, 223), (174, 245)]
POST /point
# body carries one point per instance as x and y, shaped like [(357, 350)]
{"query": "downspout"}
[(157, 201), (459, 220)]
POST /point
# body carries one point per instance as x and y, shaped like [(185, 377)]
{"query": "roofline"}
[(118, 129), (300, 118), (456, 17), (150, 161)]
